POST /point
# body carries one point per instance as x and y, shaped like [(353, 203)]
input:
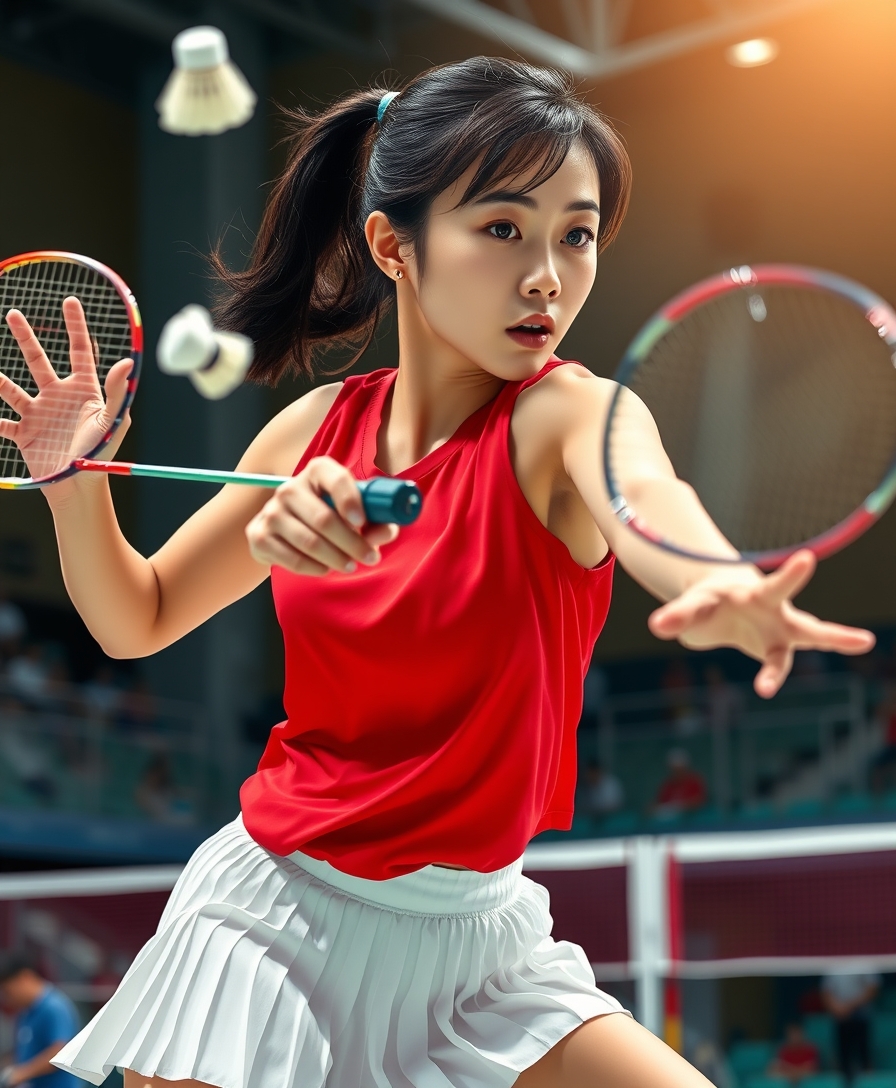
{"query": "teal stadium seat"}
[(850, 804), (760, 1080), (883, 1041), (806, 809), (875, 1080), (620, 823), (750, 1058), (821, 1029), (583, 827), (824, 1080), (705, 817)]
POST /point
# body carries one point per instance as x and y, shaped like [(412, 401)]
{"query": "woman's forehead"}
[(575, 181)]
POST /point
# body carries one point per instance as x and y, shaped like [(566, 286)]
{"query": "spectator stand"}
[(659, 911), (818, 752)]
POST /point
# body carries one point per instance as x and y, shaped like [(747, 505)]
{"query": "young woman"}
[(365, 923)]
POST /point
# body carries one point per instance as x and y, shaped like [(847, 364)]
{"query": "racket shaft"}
[(385, 499)]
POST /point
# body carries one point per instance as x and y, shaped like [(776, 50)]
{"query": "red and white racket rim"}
[(876, 311), (135, 324)]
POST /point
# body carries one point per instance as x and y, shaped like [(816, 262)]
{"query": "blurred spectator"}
[(13, 628), (102, 696), (809, 664), (797, 1056), (847, 997), (28, 676), (157, 795), (25, 755), (722, 698), (45, 1020), (594, 696), (137, 707), (706, 1057), (678, 684), (882, 771), (684, 789), (601, 792)]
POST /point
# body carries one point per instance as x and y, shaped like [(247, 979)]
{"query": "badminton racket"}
[(49, 392), (773, 389)]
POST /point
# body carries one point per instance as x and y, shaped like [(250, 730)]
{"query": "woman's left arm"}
[(709, 604)]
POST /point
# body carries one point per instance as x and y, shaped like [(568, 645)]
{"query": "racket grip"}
[(387, 500)]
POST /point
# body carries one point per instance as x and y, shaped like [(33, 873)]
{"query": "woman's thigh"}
[(611, 1051), (136, 1080)]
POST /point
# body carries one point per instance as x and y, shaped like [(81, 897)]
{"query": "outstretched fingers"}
[(808, 633), (812, 633), (80, 345), (13, 395), (791, 577), (692, 607), (116, 387), (8, 429), (36, 358), (775, 668)]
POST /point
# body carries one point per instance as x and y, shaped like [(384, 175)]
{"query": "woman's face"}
[(506, 274)]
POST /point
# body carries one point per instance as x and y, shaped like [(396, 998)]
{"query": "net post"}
[(648, 873)]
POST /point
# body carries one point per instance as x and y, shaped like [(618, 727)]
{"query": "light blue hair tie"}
[(384, 105)]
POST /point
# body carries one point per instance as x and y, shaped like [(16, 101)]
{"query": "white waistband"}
[(430, 890)]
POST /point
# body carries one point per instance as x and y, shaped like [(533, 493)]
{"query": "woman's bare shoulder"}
[(561, 398), (278, 448)]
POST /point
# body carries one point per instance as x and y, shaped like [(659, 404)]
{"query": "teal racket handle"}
[(387, 500)]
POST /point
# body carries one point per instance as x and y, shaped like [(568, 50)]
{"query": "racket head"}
[(774, 392), (36, 283)]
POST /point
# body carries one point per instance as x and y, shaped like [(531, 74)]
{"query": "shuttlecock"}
[(206, 93), (215, 362)]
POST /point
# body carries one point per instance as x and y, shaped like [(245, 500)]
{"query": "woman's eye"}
[(504, 231), (580, 238)]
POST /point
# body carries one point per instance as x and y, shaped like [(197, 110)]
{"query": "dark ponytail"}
[(311, 283), (311, 279)]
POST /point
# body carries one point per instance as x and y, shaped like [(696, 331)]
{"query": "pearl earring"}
[(398, 273)]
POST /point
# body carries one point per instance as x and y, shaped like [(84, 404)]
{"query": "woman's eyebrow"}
[(503, 196)]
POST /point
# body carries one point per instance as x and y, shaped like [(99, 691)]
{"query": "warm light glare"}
[(752, 53)]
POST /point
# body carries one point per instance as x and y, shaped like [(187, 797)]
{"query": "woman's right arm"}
[(135, 606)]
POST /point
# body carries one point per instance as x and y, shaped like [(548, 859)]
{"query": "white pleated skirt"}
[(272, 972)]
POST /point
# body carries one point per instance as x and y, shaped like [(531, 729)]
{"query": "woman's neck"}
[(435, 390)]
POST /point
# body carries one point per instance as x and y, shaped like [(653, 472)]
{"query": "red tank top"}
[(433, 699)]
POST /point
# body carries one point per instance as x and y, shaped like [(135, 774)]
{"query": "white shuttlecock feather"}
[(206, 93), (215, 362)]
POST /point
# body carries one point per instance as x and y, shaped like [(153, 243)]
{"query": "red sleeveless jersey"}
[(433, 699)]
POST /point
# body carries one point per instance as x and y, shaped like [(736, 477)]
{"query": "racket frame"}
[(15, 483), (876, 311)]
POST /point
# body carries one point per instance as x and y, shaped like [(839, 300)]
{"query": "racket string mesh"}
[(37, 288), (777, 404)]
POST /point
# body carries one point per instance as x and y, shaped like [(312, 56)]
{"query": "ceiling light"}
[(752, 53)]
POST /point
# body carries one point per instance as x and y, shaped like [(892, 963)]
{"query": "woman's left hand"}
[(754, 613)]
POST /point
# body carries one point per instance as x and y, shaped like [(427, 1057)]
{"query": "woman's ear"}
[(384, 246)]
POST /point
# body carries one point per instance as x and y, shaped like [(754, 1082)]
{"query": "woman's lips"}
[(533, 331), (534, 340)]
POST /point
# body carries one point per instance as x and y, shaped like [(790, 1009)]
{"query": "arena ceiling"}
[(104, 43)]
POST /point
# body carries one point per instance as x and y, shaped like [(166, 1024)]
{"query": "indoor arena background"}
[(720, 918)]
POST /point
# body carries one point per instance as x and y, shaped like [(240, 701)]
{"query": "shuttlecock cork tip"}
[(187, 342), (199, 47)]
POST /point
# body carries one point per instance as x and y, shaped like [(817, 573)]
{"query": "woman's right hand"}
[(67, 417), (300, 532)]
